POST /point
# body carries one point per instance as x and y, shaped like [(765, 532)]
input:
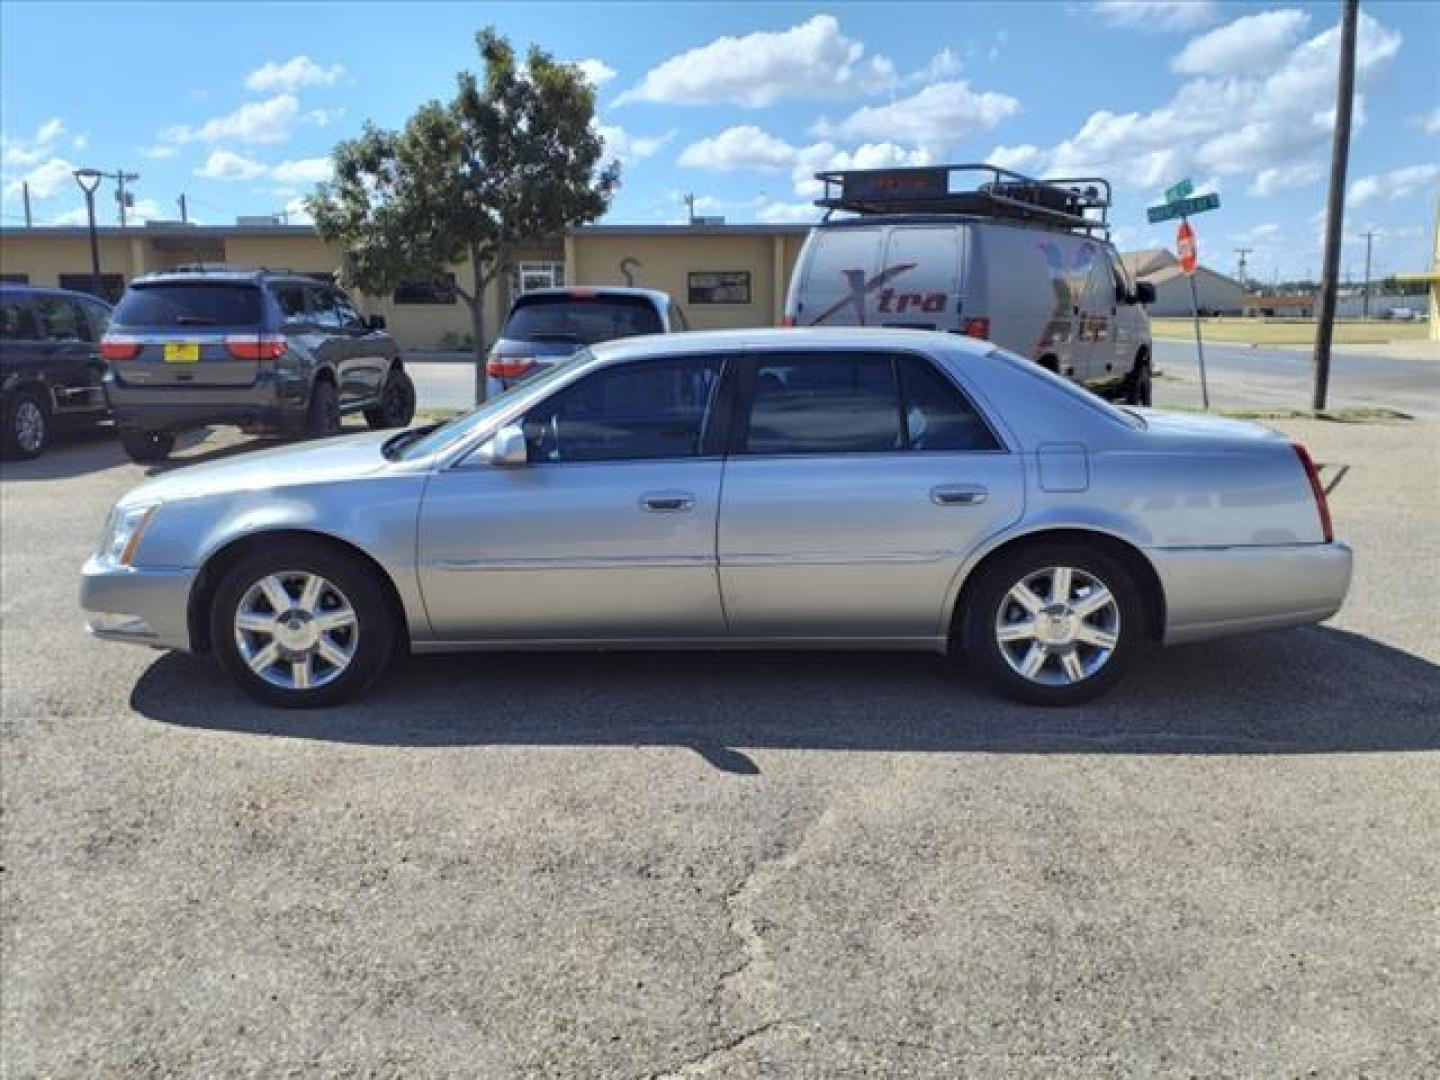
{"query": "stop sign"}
[(1185, 247)]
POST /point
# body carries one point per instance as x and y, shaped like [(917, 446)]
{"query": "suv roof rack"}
[(1070, 204), (227, 268)]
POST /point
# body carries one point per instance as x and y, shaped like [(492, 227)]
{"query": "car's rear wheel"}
[(397, 403), (322, 416), (302, 625), (1139, 389), (1053, 624), (146, 446), (27, 425)]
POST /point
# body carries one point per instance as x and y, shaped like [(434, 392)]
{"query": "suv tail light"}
[(977, 328), (119, 348), (788, 320), (255, 346), (508, 367), (1322, 504)]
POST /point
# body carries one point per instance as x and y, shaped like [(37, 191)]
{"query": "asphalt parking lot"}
[(691, 865)]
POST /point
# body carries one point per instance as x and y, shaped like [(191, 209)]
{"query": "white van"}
[(1026, 264)]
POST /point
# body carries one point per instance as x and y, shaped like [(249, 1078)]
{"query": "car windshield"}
[(581, 319), (423, 442), (198, 303)]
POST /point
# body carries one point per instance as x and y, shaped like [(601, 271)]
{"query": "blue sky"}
[(237, 105)]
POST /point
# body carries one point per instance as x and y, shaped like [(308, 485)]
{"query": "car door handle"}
[(958, 495), (667, 502)]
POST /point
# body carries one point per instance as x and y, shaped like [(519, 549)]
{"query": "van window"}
[(198, 303)]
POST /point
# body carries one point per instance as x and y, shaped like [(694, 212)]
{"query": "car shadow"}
[(1314, 690)]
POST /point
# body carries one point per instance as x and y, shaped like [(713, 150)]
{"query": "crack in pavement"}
[(697, 1065)]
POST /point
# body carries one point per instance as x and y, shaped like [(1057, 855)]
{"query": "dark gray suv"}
[(270, 351)]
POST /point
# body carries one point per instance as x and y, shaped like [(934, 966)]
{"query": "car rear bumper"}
[(1211, 592), (143, 607), (267, 402)]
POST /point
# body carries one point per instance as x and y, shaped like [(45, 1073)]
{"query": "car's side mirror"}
[(374, 322), (506, 448), (1144, 292)]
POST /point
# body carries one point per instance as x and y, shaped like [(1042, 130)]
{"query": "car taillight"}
[(508, 367), (1322, 504), (255, 346), (788, 320), (119, 348), (977, 328)]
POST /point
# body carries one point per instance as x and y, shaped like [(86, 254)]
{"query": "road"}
[(711, 866), (1240, 377)]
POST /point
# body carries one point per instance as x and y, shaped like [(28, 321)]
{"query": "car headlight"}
[(124, 531)]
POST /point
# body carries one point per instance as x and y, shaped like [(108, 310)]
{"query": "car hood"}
[(321, 461), (1195, 425)]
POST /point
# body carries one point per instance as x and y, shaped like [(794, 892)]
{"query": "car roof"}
[(48, 290), (794, 339), (655, 295), (246, 275)]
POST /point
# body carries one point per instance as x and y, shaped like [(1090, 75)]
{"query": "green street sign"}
[(1183, 208), (1176, 192)]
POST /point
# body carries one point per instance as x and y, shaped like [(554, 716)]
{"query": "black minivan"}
[(269, 351), (50, 366)]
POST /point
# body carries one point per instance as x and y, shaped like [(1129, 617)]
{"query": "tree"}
[(513, 157)]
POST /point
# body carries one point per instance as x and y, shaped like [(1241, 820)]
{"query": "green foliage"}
[(513, 157)]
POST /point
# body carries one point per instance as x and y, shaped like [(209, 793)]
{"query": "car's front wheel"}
[(302, 625), (1053, 624), (397, 403)]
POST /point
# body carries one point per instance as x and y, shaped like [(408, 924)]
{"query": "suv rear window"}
[(199, 303), (583, 320)]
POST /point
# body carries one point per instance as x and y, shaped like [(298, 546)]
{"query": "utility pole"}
[(89, 180), (1243, 252), (689, 201), (1335, 207), (184, 212), (25, 192), (1365, 300), (121, 179)]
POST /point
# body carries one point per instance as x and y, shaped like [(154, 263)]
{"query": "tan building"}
[(723, 275), (1216, 293)]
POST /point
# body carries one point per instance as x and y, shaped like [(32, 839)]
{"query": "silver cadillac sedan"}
[(812, 489)]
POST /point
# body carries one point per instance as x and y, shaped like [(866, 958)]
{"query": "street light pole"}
[(89, 180)]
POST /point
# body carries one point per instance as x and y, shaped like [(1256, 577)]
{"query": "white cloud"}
[(76, 216), (943, 65), (1266, 234), (812, 60), (144, 210), (80, 142), (936, 117), (22, 152), (323, 117), (292, 74), (297, 214), (824, 156), (743, 147), (1272, 124), (1156, 14), (159, 151), (779, 211), (1429, 122), (314, 170), (46, 180), (228, 165), (596, 72), (1018, 158), (1393, 185), (620, 144), (1249, 43), (267, 121)]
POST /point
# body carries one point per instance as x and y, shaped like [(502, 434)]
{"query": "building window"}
[(15, 279), (529, 276), (719, 286), (112, 286), (440, 290)]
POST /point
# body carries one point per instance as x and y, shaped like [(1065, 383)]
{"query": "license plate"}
[(182, 352)]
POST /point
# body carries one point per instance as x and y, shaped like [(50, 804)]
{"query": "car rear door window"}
[(191, 304), (839, 403), (938, 416), (632, 412)]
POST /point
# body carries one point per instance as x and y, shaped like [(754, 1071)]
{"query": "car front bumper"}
[(143, 607), (1211, 592)]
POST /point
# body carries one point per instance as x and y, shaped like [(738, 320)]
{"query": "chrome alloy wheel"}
[(1058, 626), (296, 630), (29, 426)]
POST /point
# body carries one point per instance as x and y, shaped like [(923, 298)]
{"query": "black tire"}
[(397, 402), (27, 425), (322, 415), (1139, 388), (375, 621), (988, 599), (146, 446)]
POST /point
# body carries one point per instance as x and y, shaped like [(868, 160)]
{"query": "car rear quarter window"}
[(189, 304), (938, 416), (582, 320)]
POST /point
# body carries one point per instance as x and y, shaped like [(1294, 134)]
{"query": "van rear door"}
[(922, 291), (840, 265)]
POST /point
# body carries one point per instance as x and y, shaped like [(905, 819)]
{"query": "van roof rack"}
[(1076, 203)]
